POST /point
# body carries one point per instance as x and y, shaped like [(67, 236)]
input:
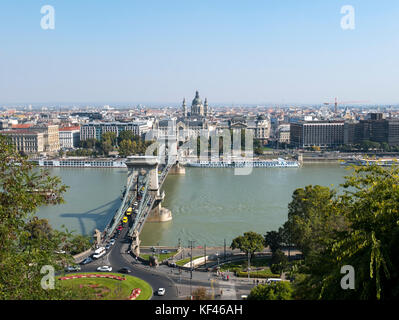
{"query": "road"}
[(117, 257)]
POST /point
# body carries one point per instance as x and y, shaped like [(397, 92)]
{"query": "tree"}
[(274, 239), (370, 243), (126, 148), (25, 245), (110, 137), (127, 135), (278, 262), (249, 243), (275, 291), (312, 218)]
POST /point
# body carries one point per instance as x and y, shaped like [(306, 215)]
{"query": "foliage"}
[(249, 243), (312, 218), (25, 245), (264, 273), (369, 242), (274, 239), (275, 291), (278, 262), (201, 294)]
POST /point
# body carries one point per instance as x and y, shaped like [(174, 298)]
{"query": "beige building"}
[(26, 141), (50, 135)]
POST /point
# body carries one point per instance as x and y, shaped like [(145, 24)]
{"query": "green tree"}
[(278, 262), (110, 137), (370, 243), (312, 218), (249, 243), (126, 148), (274, 239), (127, 135), (275, 291), (25, 246)]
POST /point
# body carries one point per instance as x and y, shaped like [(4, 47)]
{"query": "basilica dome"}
[(197, 100)]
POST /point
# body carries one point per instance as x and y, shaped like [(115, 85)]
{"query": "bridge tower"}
[(148, 165)]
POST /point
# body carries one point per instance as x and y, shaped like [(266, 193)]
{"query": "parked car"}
[(112, 242), (104, 268), (72, 268), (124, 270), (107, 246), (161, 291), (87, 260)]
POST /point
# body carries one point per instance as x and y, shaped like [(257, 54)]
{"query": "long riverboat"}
[(383, 162), (275, 163), (81, 163)]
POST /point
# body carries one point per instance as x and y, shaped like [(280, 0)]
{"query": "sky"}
[(232, 52)]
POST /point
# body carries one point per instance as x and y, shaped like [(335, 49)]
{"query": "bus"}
[(272, 280), (99, 252)]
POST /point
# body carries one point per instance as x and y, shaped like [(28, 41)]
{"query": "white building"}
[(69, 137)]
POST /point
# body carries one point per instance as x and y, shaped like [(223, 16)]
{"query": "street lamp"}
[(249, 266)]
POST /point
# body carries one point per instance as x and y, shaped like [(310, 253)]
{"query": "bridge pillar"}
[(149, 164), (135, 246), (177, 169), (159, 214)]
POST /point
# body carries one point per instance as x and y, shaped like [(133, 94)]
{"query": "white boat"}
[(81, 163), (383, 162), (275, 163)]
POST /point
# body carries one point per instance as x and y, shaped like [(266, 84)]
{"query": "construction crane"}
[(336, 103)]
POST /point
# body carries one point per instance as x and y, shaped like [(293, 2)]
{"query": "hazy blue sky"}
[(251, 51)]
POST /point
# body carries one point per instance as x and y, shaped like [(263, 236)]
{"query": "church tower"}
[(205, 107), (184, 108)]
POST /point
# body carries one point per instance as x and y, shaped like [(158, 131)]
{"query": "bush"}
[(263, 274), (274, 291)]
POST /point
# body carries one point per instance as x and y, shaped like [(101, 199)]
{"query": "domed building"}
[(198, 109)]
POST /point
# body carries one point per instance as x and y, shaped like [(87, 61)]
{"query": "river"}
[(208, 205)]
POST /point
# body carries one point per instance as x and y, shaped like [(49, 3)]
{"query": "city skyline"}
[(131, 52)]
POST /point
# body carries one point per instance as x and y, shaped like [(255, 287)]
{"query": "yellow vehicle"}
[(124, 220), (129, 211)]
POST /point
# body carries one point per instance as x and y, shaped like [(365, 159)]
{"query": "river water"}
[(208, 205)]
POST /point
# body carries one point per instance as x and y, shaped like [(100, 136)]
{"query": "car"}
[(153, 249), (112, 242), (87, 260), (164, 251), (120, 227), (107, 246), (161, 291), (104, 268), (136, 204), (124, 270), (72, 268)]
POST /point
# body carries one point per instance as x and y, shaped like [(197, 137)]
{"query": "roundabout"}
[(106, 286)]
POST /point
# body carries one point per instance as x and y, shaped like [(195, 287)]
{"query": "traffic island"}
[(105, 286)]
